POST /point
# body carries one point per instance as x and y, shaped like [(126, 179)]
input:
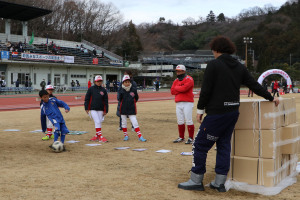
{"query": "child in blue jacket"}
[(49, 108)]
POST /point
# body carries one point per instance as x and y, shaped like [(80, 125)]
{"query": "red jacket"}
[(276, 86), (183, 90), (89, 84)]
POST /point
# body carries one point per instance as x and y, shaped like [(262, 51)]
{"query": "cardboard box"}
[(246, 143), (259, 114), (285, 166), (289, 106), (245, 169), (294, 111), (229, 175), (293, 164), (268, 172), (271, 116), (289, 139), (248, 118), (268, 138)]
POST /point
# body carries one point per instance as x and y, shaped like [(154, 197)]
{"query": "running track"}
[(31, 101)]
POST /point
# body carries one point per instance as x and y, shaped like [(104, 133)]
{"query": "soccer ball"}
[(57, 146)]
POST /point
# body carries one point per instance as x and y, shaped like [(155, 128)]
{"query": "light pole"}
[(247, 41)]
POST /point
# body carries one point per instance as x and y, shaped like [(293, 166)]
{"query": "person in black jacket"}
[(128, 97), (96, 102), (220, 98)]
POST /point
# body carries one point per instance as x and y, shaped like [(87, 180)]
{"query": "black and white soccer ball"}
[(57, 146)]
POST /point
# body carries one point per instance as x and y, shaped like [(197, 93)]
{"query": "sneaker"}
[(221, 188), (126, 138), (95, 138), (120, 129), (52, 136), (46, 138), (178, 140), (142, 139), (103, 139), (189, 141)]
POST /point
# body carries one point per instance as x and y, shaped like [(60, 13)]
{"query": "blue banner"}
[(4, 55)]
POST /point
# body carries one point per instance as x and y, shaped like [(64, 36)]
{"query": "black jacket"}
[(128, 101), (220, 91), (134, 85), (96, 98)]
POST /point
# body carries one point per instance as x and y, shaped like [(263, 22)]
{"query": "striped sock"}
[(125, 131), (138, 132), (98, 132), (49, 132)]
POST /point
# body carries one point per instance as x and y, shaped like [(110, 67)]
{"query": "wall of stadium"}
[(58, 74)]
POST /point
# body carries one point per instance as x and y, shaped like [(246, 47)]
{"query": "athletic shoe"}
[(120, 129), (142, 139), (221, 188), (103, 139), (189, 141), (52, 136), (46, 138), (178, 140), (126, 138), (95, 138)]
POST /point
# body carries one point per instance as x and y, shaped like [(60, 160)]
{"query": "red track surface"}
[(31, 101)]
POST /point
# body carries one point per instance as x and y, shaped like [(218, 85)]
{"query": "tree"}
[(211, 18), (221, 17)]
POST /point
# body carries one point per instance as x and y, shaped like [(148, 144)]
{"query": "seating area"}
[(80, 57), (15, 90)]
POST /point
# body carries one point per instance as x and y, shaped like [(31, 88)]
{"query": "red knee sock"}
[(125, 131), (181, 130), (138, 132), (191, 129), (49, 132), (98, 132)]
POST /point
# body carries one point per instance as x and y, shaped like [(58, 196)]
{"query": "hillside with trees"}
[(275, 32)]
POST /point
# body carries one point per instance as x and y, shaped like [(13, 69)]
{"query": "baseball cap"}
[(98, 78), (125, 77), (49, 87), (180, 67)]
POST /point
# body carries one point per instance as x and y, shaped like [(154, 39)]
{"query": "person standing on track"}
[(96, 102), (182, 88), (222, 107)]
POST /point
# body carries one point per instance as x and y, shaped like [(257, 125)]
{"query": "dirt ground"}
[(30, 170)]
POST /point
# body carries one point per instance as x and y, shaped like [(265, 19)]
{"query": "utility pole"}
[(290, 60)]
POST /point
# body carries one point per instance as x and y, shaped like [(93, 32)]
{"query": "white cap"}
[(98, 78), (125, 77), (49, 87), (180, 67)]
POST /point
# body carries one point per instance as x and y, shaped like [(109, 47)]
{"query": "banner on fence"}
[(4, 55), (69, 59), (33, 56), (95, 61)]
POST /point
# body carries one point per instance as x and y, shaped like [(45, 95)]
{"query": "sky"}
[(150, 11)]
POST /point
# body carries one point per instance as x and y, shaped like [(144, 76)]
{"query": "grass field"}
[(30, 170)]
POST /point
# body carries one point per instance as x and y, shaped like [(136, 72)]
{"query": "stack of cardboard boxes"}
[(265, 142)]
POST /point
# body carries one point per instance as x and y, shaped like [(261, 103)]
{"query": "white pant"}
[(132, 119), (97, 117), (184, 112), (49, 123)]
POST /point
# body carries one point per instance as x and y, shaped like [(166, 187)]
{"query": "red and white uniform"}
[(184, 98)]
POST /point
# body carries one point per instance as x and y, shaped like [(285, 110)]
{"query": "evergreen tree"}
[(221, 17), (211, 18)]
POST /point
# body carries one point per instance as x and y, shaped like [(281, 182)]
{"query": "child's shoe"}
[(95, 138), (142, 139), (52, 136), (46, 138), (126, 138), (103, 139)]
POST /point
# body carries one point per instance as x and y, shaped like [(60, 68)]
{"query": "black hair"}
[(222, 44), (42, 93)]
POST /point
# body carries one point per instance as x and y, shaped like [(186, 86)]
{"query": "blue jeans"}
[(214, 129)]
